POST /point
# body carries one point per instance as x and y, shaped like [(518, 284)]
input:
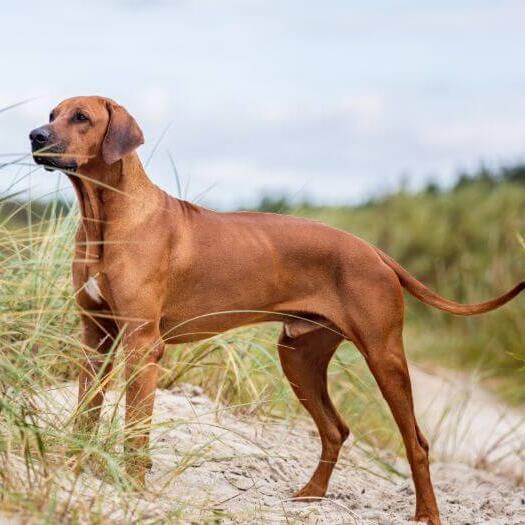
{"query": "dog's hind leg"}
[(388, 365), (376, 329), (305, 361)]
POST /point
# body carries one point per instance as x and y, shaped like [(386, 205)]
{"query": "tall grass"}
[(41, 349), (463, 244)]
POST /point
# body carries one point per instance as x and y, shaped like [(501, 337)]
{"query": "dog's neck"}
[(103, 193)]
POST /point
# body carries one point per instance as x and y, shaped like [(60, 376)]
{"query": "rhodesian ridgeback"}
[(158, 270)]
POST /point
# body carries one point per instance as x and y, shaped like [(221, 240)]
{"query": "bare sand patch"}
[(212, 463)]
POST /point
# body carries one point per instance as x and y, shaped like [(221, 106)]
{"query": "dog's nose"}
[(40, 136)]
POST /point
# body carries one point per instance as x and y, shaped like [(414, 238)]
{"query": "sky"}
[(334, 101)]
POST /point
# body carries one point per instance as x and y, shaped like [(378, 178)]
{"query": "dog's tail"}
[(427, 296)]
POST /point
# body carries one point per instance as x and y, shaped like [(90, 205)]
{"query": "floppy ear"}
[(123, 134)]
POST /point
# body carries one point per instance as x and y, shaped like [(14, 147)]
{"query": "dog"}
[(157, 270)]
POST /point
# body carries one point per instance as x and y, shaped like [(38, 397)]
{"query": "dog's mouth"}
[(51, 159)]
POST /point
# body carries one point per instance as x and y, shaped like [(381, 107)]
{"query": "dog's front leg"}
[(98, 338), (143, 347)]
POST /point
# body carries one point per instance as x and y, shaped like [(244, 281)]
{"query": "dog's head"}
[(83, 131)]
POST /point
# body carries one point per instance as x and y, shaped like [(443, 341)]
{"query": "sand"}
[(466, 423), (251, 468), (210, 461)]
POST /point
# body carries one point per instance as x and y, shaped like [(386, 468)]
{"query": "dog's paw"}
[(310, 492), (424, 518)]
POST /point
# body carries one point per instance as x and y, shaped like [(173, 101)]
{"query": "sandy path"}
[(466, 423), (250, 468), (211, 462)]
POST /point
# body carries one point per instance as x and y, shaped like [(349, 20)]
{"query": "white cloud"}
[(341, 98)]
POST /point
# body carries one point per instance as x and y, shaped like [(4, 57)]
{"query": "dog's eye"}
[(51, 117), (80, 117)]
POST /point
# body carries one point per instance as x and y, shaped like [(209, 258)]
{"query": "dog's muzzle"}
[(46, 151)]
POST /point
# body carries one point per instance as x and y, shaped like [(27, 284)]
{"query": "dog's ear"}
[(123, 134)]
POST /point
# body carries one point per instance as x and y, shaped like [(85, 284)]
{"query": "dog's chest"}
[(92, 288)]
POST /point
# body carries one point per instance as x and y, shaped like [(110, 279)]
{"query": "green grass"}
[(462, 243)]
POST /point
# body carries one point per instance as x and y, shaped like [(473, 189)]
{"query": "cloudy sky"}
[(336, 100)]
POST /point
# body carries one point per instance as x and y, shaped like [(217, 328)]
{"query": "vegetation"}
[(463, 242)]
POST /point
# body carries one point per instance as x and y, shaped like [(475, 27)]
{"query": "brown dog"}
[(162, 270)]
